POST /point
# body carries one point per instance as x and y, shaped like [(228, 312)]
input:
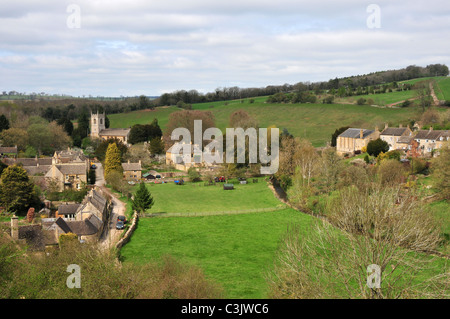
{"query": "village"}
[(96, 219)]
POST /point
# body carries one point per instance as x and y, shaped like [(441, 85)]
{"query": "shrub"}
[(361, 101), (193, 174), (377, 146)]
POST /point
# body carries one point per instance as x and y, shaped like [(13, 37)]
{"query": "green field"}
[(442, 88), (382, 98), (315, 122), (234, 250), (171, 198)]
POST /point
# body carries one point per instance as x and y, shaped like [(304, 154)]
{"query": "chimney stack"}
[(361, 133), (15, 227), (386, 125)]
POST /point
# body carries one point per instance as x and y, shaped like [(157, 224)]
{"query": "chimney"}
[(386, 125), (128, 161), (431, 128), (15, 227), (139, 162), (400, 126), (361, 133)]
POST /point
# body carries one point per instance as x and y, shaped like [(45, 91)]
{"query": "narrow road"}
[(110, 235)]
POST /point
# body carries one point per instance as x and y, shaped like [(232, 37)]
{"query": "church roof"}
[(115, 132)]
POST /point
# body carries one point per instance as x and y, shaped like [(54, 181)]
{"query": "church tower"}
[(97, 124)]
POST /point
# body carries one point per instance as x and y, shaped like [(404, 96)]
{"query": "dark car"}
[(121, 218), (93, 166), (120, 225)]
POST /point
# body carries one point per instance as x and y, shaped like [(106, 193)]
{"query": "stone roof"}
[(4, 149), (132, 166), (76, 169), (405, 139), (86, 227), (394, 131), (115, 132), (97, 200), (355, 133), (70, 155), (430, 134), (34, 170), (28, 161), (68, 209)]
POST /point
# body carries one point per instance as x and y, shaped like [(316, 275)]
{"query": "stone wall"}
[(129, 232)]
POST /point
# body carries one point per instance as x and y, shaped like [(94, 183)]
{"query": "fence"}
[(230, 212)]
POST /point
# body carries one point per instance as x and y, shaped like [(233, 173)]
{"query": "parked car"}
[(120, 225), (93, 166), (121, 218)]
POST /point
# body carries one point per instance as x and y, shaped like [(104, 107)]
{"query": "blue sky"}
[(133, 47)]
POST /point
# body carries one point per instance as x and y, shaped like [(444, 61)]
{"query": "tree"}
[(377, 146), (336, 133), (30, 214), (156, 146), (193, 174), (241, 118), (372, 227), (117, 182), (441, 171), (16, 190), (4, 123), (66, 124), (15, 136), (100, 151), (113, 160), (142, 200), (185, 119)]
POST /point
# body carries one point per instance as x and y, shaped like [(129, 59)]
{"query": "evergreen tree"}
[(377, 146), (156, 146), (142, 200), (113, 160), (4, 123), (16, 190)]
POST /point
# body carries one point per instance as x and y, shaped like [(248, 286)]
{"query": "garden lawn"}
[(235, 251)]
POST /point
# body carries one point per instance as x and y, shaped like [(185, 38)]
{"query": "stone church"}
[(99, 130)]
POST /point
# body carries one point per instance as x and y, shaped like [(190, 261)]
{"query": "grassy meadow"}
[(234, 250), (315, 122), (172, 198)]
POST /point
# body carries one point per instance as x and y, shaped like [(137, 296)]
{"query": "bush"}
[(418, 165), (193, 174), (377, 146), (361, 101)]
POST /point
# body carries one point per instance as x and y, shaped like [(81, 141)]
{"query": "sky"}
[(133, 47)]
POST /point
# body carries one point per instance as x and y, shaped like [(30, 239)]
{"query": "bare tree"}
[(377, 226)]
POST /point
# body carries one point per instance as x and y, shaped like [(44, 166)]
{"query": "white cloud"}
[(136, 47)]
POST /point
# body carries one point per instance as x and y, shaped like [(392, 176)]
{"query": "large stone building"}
[(99, 130), (430, 140), (396, 137), (354, 139)]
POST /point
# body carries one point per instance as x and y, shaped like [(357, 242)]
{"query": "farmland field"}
[(234, 250), (442, 88), (173, 198), (315, 122)]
